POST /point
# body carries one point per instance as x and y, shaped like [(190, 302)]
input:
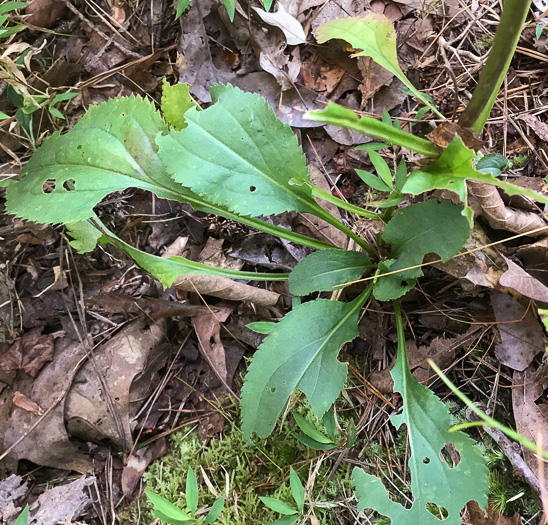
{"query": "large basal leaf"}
[(300, 352), (110, 149), (415, 231), (374, 34), (237, 154), (433, 481), (452, 170), (325, 269)]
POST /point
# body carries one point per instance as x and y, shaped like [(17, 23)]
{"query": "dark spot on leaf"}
[(79, 146), (48, 186), (69, 185), (404, 284), (252, 188), (272, 389), (123, 114)]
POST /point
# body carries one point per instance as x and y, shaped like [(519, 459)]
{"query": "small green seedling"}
[(173, 515), (290, 514)]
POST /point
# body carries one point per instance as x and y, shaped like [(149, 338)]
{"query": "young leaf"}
[(374, 34), (191, 491), (382, 169), (328, 421), (310, 430), (278, 505), (23, 518), (452, 170), (84, 235), (401, 175), (324, 269), (230, 8), (432, 479), (417, 230), (312, 443), (215, 510), (237, 154), (181, 7), (297, 489), (261, 327), (299, 353), (166, 511), (372, 181), (176, 101), (492, 163)]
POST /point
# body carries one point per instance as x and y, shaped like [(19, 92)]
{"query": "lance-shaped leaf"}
[(237, 154), (415, 231), (300, 352), (452, 170), (433, 480), (374, 34), (325, 269)]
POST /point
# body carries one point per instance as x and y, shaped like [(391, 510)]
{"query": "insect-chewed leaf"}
[(111, 148), (237, 154), (433, 480), (452, 170), (415, 231), (300, 352), (324, 269)]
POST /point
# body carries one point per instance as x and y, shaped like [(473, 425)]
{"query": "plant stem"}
[(327, 217), (486, 420), (492, 76), (326, 196), (402, 350), (346, 118)]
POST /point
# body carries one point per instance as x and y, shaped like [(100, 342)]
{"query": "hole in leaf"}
[(69, 185), (451, 182), (450, 455), (123, 114), (426, 461), (437, 511), (272, 389), (252, 188), (404, 284), (48, 186)]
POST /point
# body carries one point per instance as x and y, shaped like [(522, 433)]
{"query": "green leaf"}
[(544, 317), (492, 163), (401, 175), (346, 118), (309, 429), (415, 231), (297, 489), (110, 149), (215, 510), (538, 30), (452, 170), (62, 97), (267, 4), (237, 154), (372, 181), (325, 269), (56, 113), (23, 518), (176, 101), (286, 520), (84, 234), (382, 169), (328, 421), (11, 6), (229, 4), (374, 34), (433, 480), (299, 353), (191, 491), (181, 7), (3, 116), (261, 327), (170, 513), (278, 506), (312, 443), (388, 287)]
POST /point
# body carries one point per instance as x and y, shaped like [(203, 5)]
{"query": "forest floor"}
[(110, 383)]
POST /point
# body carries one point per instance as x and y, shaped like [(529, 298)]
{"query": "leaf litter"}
[(41, 348)]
